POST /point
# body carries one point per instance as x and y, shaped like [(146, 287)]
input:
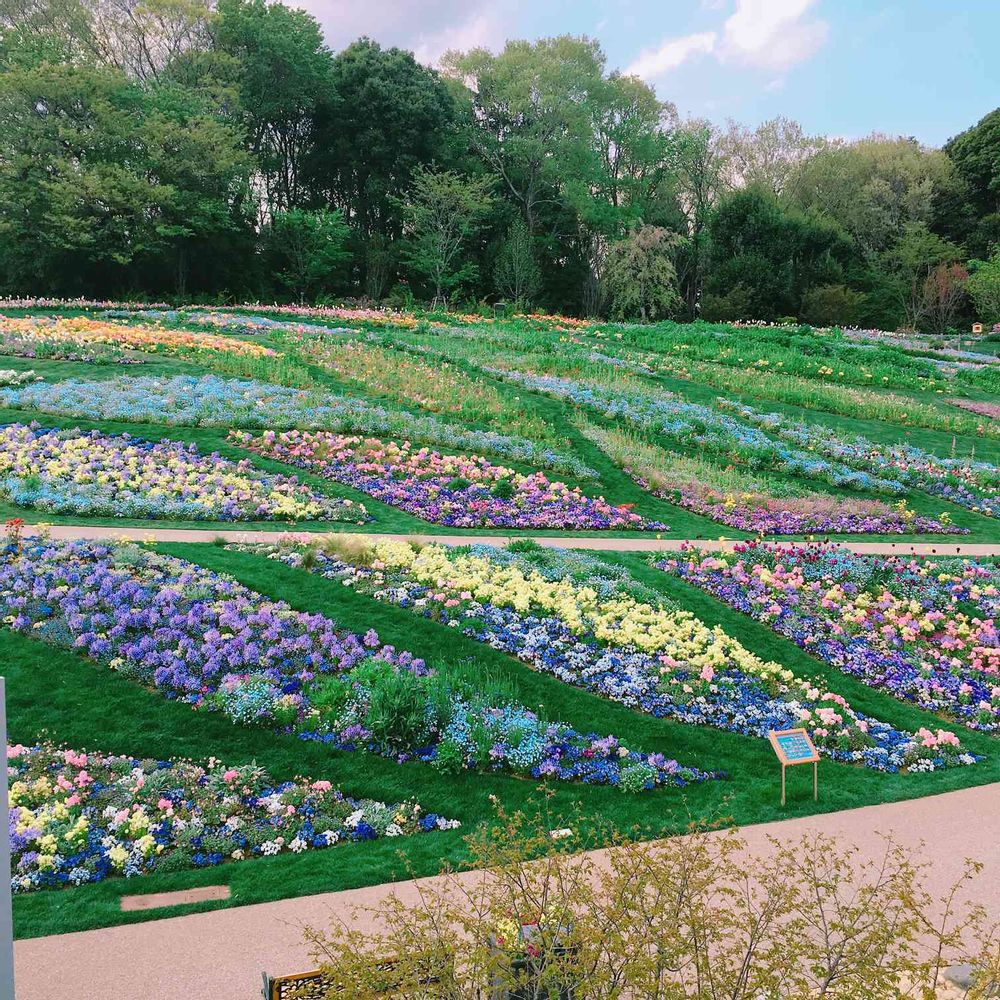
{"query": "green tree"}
[(914, 257), (390, 116), (984, 287), (976, 156), (872, 188), (283, 74), (306, 249), (443, 211), (516, 271), (640, 274)]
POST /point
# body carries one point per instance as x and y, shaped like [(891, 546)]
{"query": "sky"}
[(845, 68)]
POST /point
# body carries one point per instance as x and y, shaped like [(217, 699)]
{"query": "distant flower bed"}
[(210, 401), (75, 472), (900, 625), (700, 428), (464, 491), (740, 499), (244, 323), (85, 332), (83, 817), (983, 409), (204, 639), (573, 619), (12, 377), (966, 482)]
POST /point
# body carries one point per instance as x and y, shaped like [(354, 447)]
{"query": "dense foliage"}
[(220, 149)]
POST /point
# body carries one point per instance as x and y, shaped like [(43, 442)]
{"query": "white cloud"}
[(479, 31), (670, 54), (771, 34)]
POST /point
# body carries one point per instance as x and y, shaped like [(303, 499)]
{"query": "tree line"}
[(219, 150)]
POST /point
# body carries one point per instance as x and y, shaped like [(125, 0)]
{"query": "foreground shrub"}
[(682, 918)]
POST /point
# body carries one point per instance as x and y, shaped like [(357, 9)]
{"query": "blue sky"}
[(927, 68)]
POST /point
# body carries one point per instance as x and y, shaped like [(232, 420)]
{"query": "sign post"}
[(793, 746)]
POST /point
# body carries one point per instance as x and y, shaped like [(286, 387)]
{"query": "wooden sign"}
[(793, 746)]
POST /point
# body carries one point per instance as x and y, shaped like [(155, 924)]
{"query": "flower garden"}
[(291, 713)]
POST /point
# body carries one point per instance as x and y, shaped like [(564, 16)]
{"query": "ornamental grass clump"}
[(695, 917)]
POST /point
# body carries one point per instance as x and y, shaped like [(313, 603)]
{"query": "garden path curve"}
[(218, 955), (562, 541)]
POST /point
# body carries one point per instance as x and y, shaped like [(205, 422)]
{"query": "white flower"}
[(393, 830), (298, 845), (271, 848), (354, 819)]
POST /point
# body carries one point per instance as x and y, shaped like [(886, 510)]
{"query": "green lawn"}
[(58, 695)]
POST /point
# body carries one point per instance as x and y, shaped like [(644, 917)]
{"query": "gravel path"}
[(560, 541), (219, 955)]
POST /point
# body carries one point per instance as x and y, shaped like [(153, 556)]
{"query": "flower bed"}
[(203, 639), (700, 428), (982, 409), (82, 331), (922, 631), (95, 474), (83, 817), (209, 401), (464, 491), (13, 377), (600, 634), (968, 483), (743, 500)]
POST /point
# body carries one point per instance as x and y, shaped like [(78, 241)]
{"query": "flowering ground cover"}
[(924, 631), (462, 491), (752, 502), (12, 377), (592, 629), (81, 330), (205, 640), (107, 475), (982, 408), (701, 428), (210, 401), (966, 482), (83, 817)]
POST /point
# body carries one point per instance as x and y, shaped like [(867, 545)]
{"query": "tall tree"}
[(390, 116), (443, 211), (283, 75), (768, 155), (976, 156)]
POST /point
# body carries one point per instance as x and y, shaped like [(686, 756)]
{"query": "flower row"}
[(204, 639), (216, 402), (966, 482), (650, 657), (81, 330), (900, 625), (700, 428), (82, 817), (105, 475), (465, 491)]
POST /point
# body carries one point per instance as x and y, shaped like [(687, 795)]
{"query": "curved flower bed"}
[(980, 408), (71, 471), (244, 323), (701, 428), (84, 817), (464, 491), (13, 377), (655, 659), (204, 639), (81, 330), (968, 483), (209, 401), (900, 625)]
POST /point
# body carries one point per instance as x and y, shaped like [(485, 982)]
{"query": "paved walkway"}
[(219, 955), (562, 541)]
